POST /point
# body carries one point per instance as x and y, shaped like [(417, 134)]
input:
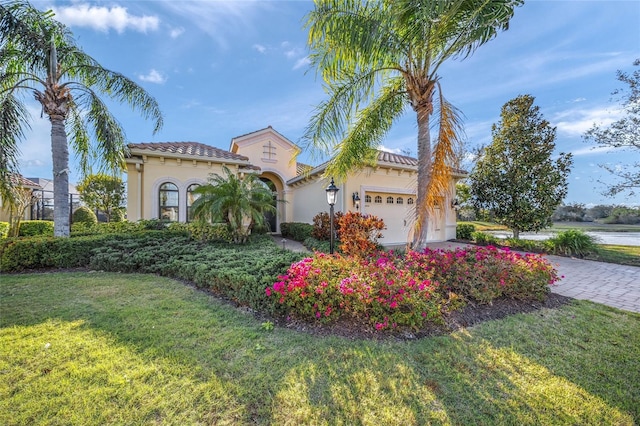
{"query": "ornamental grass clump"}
[(389, 290)]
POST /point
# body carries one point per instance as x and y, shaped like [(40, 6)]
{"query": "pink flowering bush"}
[(486, 273), (375, 290), (389, 290)]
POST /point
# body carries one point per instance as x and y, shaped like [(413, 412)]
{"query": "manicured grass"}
[(594, 226), (104, 348), (622, 255), (486, 226)]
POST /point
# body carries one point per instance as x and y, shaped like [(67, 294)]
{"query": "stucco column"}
[(287, 208)]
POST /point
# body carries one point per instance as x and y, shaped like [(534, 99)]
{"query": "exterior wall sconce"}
[(356, 200), (455, 205), (332, 192)]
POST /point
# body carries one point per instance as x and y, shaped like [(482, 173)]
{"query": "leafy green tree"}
[(102, 192), (380, 57), (39, 57), (624, 133), (516, 177), (241, 202)]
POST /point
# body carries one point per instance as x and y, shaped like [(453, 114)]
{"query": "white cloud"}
[(592, 150), (260, 48), (391, 150), (575, 122), (302, 62), (219, 19), (103, 18), (176, 32), (153, 77)]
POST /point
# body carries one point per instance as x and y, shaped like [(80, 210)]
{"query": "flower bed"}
[(388, 290)]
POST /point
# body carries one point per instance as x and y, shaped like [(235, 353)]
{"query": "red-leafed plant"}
[(359, 233)]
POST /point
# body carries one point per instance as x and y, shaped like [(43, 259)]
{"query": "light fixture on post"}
[(356, 200), (332, 192)]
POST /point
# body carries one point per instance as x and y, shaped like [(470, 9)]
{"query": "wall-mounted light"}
[(454, 204), (356, 200)]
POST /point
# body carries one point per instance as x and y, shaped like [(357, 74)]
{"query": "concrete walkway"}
[(606, 283)]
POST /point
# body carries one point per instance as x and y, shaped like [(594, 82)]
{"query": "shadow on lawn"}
[(515, 371)]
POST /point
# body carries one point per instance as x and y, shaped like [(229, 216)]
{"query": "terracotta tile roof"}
[(196, 149), (389, 157), (302, 168), (19, 180)]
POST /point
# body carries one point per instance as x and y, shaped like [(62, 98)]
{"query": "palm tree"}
[(39, 56), (377, 57), (239, 201)]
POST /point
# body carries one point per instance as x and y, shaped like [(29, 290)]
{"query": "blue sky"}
[(223, 69)]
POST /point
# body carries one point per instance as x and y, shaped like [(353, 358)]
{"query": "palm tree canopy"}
[(233, 199), (378, 57), (38, 55)]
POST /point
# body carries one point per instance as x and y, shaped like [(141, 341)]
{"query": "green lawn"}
[(103, 348), (622, 255)]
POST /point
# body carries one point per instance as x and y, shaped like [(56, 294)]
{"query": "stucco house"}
[(27, 188), (162, 176)]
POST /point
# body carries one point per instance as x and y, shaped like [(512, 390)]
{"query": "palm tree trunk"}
[(60, 155), (424, 173)]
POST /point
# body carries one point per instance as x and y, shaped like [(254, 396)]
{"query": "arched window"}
[(389, 200), (191, 197), (409, 200), (168, 199), (399, 200), (378, 199), (367, 198)]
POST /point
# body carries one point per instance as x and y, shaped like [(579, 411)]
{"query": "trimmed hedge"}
[(85, 215), (240, 273), (33, 228), (297, 231), (18, 254)]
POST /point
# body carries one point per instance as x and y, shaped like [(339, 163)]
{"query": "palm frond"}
[(13, 121), (359, 147), (449, 121)]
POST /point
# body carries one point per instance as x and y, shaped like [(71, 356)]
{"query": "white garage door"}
[(397, 212)]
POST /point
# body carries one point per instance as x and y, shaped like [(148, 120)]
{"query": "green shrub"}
[(84, 215), (19, 254), (117, 215), (321, 246), (4, 229), (204, 231), (154, 224), (525, 245), (32, 228), (484, 239), (240, 273), (100, 228), (297, 231), (464, 231), (572, 242)]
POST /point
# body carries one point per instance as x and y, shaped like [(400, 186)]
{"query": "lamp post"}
[(332, 192)]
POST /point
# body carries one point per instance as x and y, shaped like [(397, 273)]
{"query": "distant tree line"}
[(602, 213)]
